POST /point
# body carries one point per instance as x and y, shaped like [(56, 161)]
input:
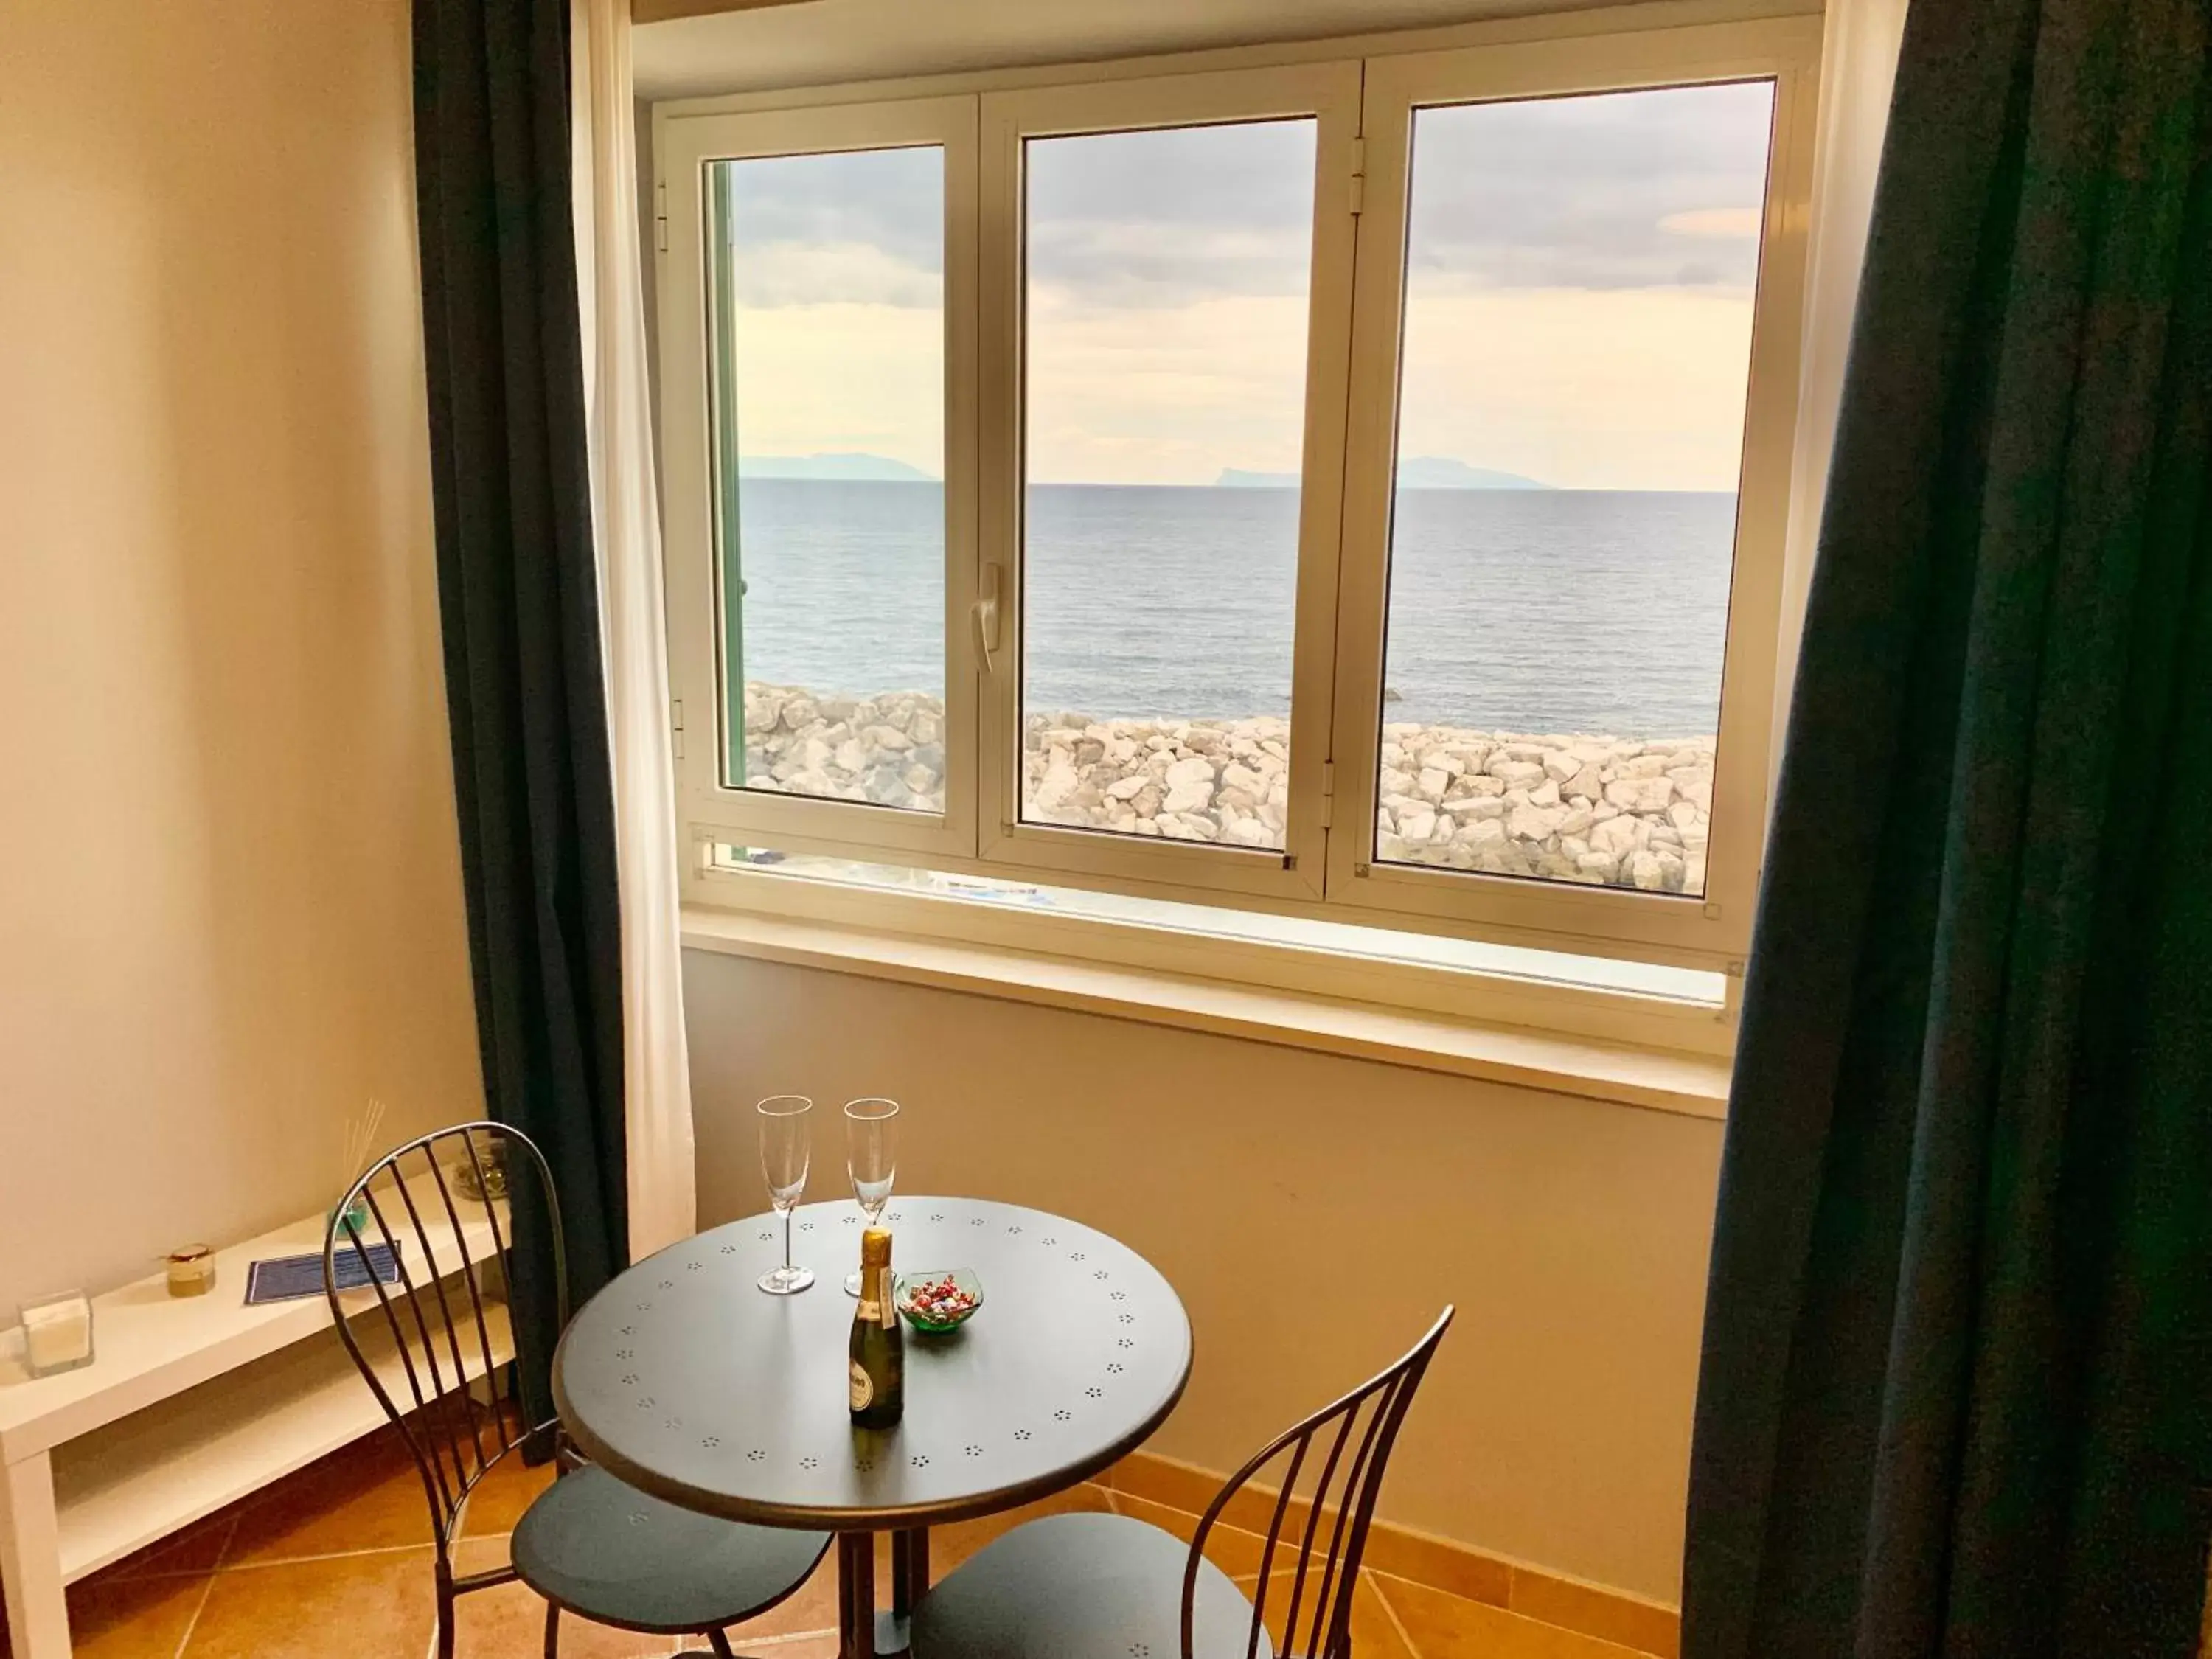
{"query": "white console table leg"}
[(30, 1560)]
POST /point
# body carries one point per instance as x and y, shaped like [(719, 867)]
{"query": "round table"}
[(687, 1381)]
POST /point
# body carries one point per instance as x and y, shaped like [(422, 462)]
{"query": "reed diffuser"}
[(363, 1129)]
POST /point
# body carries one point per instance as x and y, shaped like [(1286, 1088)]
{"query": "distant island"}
[(845, 466), (1415, 473)]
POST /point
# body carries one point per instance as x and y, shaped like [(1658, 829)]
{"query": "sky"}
[(1579, 278)]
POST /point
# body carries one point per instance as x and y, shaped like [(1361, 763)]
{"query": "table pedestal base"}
[(863, 1631)]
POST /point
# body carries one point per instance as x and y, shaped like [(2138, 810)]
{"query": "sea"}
[(1539, 610)]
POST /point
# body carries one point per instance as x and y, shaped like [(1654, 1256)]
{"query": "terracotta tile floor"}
[(337, 1559)]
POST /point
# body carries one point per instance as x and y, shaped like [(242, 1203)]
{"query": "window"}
[(828, 397), (1345, 495), (1552, 670), (1167, 283)]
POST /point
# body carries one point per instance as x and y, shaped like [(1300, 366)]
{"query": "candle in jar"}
[(58, 1335), (191, 1270)]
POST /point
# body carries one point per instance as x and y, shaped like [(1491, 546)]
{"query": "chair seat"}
[(605, 1551), (1082, 1587)]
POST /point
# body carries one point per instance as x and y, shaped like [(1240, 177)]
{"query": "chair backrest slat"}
[(1323, 1603), (432, 1411), (480, 1318), (440, 1382), (1267, 1555), (1368, 1417)]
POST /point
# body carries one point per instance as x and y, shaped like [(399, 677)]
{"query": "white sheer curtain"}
[(626, 519), (1859, 45)]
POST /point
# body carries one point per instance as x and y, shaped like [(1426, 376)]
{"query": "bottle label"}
[(859, 1389)]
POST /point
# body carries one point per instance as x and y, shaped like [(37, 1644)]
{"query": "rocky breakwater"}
[(887, 750), (1219, 780), (1599, 810), (1596, 810)]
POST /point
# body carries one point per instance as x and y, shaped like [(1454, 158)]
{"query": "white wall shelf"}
[(191, 1404)]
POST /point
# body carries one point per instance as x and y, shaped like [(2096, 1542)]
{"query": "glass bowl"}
[(936, 1324)]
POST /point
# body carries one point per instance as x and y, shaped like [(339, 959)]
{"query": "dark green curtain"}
[(519, 599), (1956, 1371)]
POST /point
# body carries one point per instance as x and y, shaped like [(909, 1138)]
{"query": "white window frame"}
[(1329, 93), (1361, 94), (1717, 927), (710, 810)]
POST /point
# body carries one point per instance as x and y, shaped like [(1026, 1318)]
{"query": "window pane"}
[(829, 411), (1579, 280), (1166, 333)]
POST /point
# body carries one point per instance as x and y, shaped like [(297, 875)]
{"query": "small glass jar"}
[(191, 1270), (57, 1333)]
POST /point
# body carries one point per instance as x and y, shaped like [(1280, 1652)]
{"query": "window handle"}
[(986, 617)]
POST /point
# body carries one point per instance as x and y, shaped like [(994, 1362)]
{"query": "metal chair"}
[(588, 1544), (1112, 1587)]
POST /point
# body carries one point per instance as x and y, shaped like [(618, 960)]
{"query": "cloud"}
[(863, 227), (1578, 192), (1579, 282), (1659, 187), (1171, 217)]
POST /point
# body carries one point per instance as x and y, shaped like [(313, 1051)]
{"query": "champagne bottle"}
[(877, 1376)]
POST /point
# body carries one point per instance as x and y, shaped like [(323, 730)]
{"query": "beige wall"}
[(1314, 1212), (230, 903)]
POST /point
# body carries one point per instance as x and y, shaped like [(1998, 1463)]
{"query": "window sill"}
[(1693, 1085)]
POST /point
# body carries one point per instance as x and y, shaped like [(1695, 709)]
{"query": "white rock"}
[(1056, 786), (1195, 795), (1126, 789), (1431, 782), (1467, 808), (1533, 823), (1520, 773), (1617, 837), (1417, 825), (1644, 871), (1640, 794)]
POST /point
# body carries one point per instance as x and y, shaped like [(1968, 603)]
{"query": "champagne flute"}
[(871, 1159), (786, 1131)]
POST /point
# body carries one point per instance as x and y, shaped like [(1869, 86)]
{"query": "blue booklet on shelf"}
[(289, 1278)]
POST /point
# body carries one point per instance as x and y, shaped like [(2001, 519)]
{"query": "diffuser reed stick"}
[(361, 1141)]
